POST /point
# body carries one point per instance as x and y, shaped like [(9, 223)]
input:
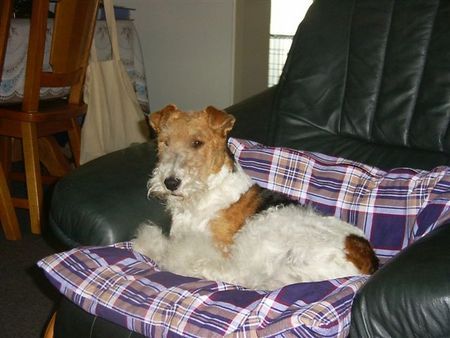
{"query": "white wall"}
[(189, 51), (252, 31)]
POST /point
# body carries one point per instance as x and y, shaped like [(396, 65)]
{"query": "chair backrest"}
[(373, 71), (5, 18), (73, 30)]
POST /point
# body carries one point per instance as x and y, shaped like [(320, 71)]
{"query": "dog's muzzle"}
[(172, 183)]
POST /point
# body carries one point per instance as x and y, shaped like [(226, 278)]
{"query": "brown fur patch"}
[(230, 220), (360, 253)]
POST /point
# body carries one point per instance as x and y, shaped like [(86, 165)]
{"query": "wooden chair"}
[(8, 216), (34, 119), (6, 7)]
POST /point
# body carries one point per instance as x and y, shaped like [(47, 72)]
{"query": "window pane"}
[(285, 17)]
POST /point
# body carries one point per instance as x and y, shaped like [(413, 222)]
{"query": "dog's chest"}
[(190, 221), (196, 217), (196, 214)]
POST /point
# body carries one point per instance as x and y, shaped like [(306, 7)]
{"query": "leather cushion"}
[(74, 322), (377, 155), (370, 71), (105, 200), (408, 297)]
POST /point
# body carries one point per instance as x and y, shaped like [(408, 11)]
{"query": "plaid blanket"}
[(393, 208), (120, 285)]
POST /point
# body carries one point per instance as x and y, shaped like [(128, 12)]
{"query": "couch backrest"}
[(374, 71)]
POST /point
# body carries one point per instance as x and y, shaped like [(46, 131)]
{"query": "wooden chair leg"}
[(16, 149), (52, 158), (75, 141), (5, 155), (7, 213), (33, 175), (49, 331)]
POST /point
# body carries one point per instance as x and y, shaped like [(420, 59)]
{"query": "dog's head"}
[(191, 148)]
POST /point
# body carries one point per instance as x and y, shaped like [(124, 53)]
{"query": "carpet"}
[(27, 299)]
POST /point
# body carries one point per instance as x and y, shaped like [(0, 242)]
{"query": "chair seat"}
[(53, 110)]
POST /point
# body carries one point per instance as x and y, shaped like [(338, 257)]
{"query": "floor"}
[(26, 297)]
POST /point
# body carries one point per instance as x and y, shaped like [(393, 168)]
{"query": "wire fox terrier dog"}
[(227, 228)]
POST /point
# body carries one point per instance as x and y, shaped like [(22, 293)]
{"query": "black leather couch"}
[(368, 80)]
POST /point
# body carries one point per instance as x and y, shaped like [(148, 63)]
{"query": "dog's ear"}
[(158, 118), (220, 120)]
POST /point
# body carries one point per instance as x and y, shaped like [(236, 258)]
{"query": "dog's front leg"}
[(151, 242)]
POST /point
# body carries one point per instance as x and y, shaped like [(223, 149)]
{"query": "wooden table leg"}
[(52, 158)]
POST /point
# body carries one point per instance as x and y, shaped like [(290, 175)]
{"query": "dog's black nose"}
[(172, 183)]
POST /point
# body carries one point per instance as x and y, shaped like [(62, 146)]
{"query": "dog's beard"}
[(155, 188), (188, 188)]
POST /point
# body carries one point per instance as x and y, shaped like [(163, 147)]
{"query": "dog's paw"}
[(150, 241)]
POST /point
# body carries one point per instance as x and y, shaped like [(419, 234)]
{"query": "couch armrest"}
[(253, 116), (105, 200), (409, 296)]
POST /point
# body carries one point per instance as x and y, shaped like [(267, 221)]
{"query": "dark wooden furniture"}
[(7, 213), (33, 119)]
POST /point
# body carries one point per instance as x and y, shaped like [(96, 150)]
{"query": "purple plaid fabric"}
[(393, 208), (127, 288)]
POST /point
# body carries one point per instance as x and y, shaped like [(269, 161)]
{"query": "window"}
[(284, 19)]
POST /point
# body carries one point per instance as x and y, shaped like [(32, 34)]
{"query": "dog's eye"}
[(197, 144)]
